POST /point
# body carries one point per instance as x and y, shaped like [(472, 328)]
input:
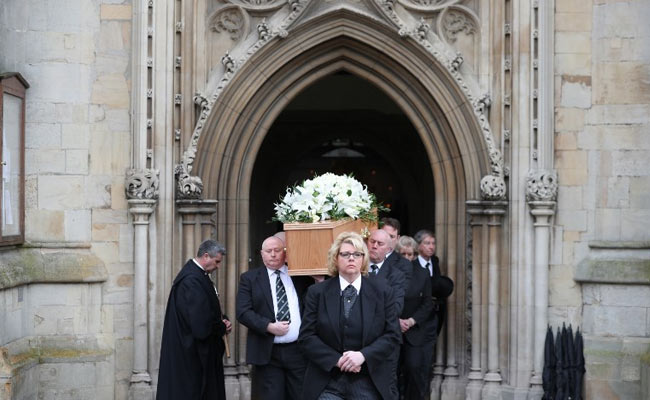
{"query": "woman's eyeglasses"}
[(346, 254)]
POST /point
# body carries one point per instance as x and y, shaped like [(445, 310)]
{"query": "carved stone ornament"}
[(231, 20), (493, 188), (541, 185), (187, 186), (455, 22), (141, 184)]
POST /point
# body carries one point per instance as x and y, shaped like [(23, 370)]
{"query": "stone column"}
[(475, 377), (492, 380), (196, 223), (142, 194), (541, 192)]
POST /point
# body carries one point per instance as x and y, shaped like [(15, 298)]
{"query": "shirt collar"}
[(356, 283), (284, 269), (199, 265), (423, 262), (391, 252), (379, 264)]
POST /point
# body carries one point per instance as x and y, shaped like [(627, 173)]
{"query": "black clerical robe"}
[(191, 354)]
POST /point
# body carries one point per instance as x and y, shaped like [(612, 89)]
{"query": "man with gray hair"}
[(191, 353)]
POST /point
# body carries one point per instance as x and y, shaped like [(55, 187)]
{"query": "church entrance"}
[(345, 125)]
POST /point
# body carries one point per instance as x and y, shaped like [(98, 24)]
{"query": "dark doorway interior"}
[(343, 124)]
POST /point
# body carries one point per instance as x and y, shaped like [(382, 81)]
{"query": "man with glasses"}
[(269, 304)]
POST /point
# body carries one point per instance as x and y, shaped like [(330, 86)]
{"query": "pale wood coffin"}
[(308, 243)]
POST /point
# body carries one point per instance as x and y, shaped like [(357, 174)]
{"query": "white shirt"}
[(379, 264), (356, 284), (389, 253), (423, 264), (292, 299), (199, 265)]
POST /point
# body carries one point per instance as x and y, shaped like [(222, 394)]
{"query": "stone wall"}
[(599, 280), (75, 54)]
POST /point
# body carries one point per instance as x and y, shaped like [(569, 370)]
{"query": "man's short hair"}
[(421, 234), (212, 247), (392, 222)]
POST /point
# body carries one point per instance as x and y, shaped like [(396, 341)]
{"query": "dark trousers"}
[(415, 370), (350, 386), (282, 377)]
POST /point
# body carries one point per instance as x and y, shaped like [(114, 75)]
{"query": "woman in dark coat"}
[(349, 328)]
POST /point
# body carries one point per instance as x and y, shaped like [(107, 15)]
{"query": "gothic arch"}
[(424, 89)]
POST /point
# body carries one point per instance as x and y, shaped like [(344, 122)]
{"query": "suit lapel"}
[(368, 304), (333, 305), (264, 284), (384, 271)]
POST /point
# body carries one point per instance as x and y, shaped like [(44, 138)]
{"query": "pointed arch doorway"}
[(247, 124), (345, 125)]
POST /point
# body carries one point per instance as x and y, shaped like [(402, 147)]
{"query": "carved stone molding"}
[(427, 5), (541, 185), (141, 184)]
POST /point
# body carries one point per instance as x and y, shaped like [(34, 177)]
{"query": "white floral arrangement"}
[(327, 197)]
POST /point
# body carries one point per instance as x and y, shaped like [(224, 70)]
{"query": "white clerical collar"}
[(356, 283), (283, 269), (199, 265), (423, 262)]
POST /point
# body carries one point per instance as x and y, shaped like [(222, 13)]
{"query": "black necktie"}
[(374, 269), (428, 267), (349, 297), (281, 296)]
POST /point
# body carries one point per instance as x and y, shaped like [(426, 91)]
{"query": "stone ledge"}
[(28, 351), (31, 265), (621, 271)]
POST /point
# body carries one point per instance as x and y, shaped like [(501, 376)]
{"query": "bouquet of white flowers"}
[(327, 197)]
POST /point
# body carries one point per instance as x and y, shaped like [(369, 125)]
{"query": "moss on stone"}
[(33, 265)]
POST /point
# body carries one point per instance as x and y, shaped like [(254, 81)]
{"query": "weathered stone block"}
[(572, 42), (571, 159), (620, 114), (573, 220), (102, 216), (119, 12), (610, 88), (105, 232), (573, 64), (98, 191), (570, 197), (39, 112), (118, 120), (60, 192), (634, 224), (76, 162), (608, 224), (611, 320), (118, 198), (42, 136), (576, 91), (618, 192), (44, 225), (110, 37), (111, 90), (77, 225), (59, 82), (613, 137), (39, 161), (565, 141), (75, 136), (639, 192), (126, 243), (608, 17), (574, 6), (630, 163)]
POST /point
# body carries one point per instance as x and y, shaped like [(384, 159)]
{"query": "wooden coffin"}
[(308, 243)]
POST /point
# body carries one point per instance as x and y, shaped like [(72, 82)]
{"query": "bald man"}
[(269, 304)]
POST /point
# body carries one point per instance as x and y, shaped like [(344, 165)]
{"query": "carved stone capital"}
[(188, 187), (493, 188), (141, 184), (541, 185)]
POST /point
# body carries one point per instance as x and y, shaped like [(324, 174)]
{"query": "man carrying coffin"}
[(269, 304)]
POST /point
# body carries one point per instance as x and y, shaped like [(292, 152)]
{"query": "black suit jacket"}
[(320, 334), (255, 311), (418, 305), (191, 354), (396, 260), (395, 279)]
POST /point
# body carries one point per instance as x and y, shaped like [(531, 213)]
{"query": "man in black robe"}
[(191, 354)]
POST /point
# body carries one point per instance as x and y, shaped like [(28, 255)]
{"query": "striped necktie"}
[(281, 296)]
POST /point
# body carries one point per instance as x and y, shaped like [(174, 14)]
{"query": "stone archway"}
[(437, 106)]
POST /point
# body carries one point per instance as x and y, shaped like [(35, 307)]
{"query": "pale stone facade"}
[(534, 115)]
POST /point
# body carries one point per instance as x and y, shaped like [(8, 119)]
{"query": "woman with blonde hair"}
[(407, 247), (349, 328)]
